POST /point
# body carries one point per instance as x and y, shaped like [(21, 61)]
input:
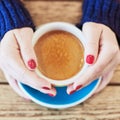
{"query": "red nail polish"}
[(46, 88), (32, 64), (90, 59), (78, 87), (51, 95), (72, 92)]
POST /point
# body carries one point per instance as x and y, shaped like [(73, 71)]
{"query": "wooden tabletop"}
[(103, 106)]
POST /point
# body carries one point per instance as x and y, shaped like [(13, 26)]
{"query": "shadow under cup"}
[(60, 49)]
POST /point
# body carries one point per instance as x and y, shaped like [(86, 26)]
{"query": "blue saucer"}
[(62, 99)]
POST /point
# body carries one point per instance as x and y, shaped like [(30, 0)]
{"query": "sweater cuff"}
[(13, 15), (106, 12)]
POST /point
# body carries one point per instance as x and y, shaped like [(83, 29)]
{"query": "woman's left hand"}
[(102, 55)]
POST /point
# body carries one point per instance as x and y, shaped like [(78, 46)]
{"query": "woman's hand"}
[(102, 55), (18, 62)]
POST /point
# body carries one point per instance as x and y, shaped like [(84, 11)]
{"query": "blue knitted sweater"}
[(106, 12), (14, 15)]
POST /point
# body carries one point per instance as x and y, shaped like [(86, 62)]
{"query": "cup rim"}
[(41, 30)]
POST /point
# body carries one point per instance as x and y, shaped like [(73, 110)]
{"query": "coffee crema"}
[(60, 55)]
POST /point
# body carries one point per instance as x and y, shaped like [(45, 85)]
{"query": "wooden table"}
[(104, 106)]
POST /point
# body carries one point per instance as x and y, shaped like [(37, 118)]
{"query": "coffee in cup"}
[(60, 55), (60, 49)]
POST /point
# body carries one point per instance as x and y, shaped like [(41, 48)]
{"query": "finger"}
[(15, 87), (110, 67), (108, 73), (105, 80), (31, 79), (15, 67), (104, 58), (24, 38), (92, 36), (70, 89), (51, 92)]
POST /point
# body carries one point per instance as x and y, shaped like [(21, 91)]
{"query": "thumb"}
[(24, 39), (92, 33)]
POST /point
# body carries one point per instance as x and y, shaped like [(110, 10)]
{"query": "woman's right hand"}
[(102, 56), (18, 62)]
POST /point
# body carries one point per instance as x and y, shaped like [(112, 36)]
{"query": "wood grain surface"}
[(103, 106), (54, 11)]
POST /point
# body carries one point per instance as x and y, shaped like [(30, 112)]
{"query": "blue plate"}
[(62, 99)]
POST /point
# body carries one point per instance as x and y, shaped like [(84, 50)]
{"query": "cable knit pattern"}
[(102, 11), (13, 15)]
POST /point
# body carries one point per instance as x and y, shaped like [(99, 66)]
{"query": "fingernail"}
[(51, 95), (32, 64), (46, 88), (72, 92), (78, 87), (90, 59)]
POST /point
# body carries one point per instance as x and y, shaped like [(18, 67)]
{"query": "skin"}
[(16, 50), (102, 44)]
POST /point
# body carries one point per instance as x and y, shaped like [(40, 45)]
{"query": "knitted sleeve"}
[(13, 15), (106, 12)]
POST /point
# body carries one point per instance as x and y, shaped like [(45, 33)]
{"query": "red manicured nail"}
[(51, 95), (78, 87), (72, 92), (32, 64), (46, 88), (90, 59)]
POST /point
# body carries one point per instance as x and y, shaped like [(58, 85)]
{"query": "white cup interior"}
[(65, 27)]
